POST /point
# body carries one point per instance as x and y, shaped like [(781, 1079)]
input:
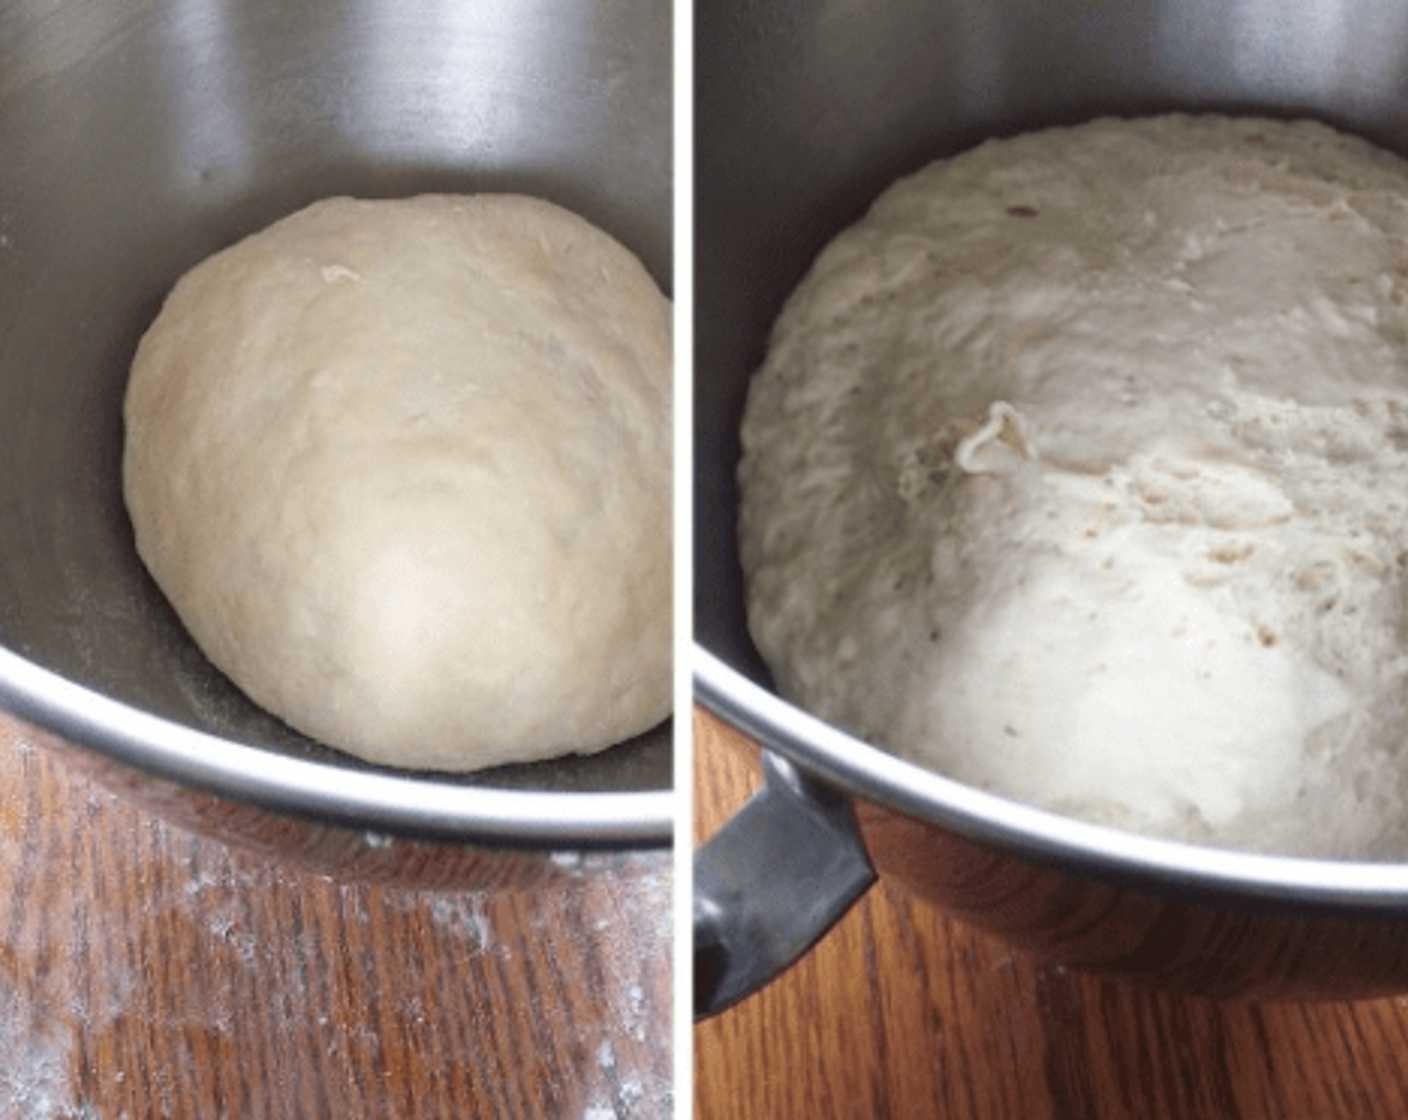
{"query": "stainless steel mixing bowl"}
[(137, 137), (806, 109)]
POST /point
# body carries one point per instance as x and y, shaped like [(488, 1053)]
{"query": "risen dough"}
[(403, 469), (1078, 470)]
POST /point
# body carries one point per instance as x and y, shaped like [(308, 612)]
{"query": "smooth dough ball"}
[(1076, 471), (403, 468)]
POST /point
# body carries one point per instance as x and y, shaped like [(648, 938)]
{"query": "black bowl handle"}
[(771, 882)]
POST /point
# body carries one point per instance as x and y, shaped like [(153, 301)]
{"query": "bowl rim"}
[(868, 773), (412, 806)]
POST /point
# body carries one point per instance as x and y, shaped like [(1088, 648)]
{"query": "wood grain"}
[(146, 971), (902, 1012)]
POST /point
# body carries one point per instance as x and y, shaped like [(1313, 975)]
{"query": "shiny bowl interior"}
[(805, 112), (139, 136)]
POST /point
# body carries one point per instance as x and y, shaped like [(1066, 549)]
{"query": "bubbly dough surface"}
[(403, 469), (1078, 471)]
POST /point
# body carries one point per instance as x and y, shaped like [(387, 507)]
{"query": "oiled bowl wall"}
[(138, 136)]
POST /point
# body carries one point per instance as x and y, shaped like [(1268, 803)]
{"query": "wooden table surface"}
[(901, 1012), (146, 972)]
